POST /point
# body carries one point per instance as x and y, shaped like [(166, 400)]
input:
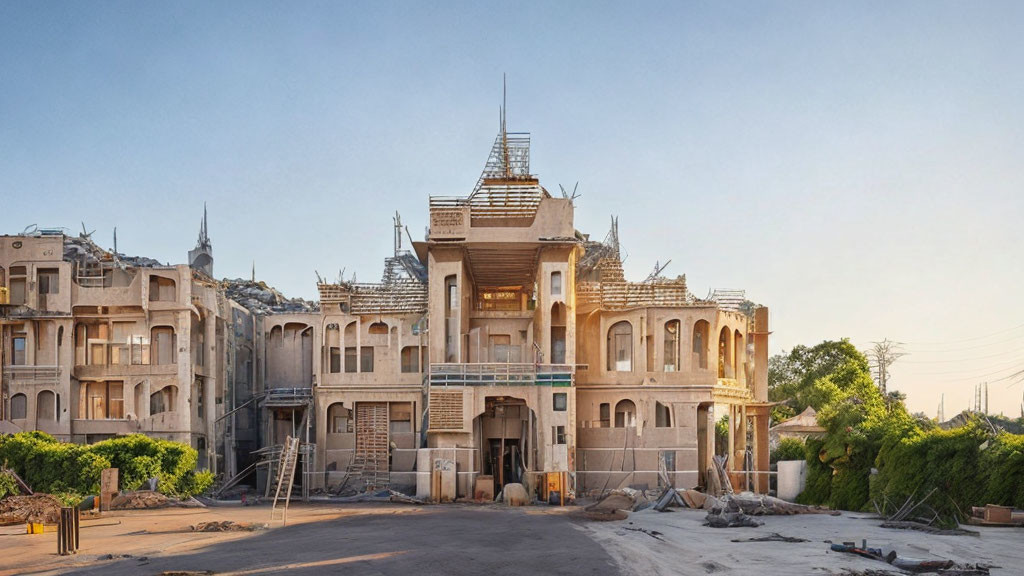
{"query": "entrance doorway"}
[(506, 433)]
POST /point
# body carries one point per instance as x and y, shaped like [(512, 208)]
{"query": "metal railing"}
[(501, 374), (287, 396), (31, 373)]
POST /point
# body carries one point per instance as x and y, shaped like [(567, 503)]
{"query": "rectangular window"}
[(104, 400), (335, 360), (350, 359), (18, 344), (560, 401), (606, 415), (366, 359), (558, 434), (556, 283), (49, 280), (662, 415), (558, 344)]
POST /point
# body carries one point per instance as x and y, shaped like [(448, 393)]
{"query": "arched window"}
[(163, 345), (46, 406), (19, 407), (737, 355), (556, 283), (701, 330), (339, 419), (410, 359), (378, 328), (163, 400), (620, 347), (625, 414), (671, 363), (725, 353)]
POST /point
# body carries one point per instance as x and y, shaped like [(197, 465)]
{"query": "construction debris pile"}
[(260, 298), (41, 508), (82, 250), (148, 499), (227, 526)]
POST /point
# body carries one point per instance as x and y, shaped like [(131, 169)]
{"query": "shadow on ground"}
[(440, 540)]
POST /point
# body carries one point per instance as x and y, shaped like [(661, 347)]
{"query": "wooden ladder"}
[(370, 462), (285, 479)]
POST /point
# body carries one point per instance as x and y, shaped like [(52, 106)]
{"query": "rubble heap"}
[(41, 508), (260, 298)]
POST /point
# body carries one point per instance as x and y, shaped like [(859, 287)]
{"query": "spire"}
[(204, 236), (201, 257)]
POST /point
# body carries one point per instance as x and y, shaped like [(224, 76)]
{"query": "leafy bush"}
[(789, 449), (8, 485), (51, 466), (966, 466)]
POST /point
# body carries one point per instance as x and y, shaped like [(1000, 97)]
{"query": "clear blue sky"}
[(855, 166)]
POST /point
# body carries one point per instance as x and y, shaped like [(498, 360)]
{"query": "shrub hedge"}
[(48, 465), (966, 466)]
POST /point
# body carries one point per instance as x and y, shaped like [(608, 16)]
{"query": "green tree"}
[(795, 378)]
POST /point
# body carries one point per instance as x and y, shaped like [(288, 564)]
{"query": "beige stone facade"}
[(503, 347)]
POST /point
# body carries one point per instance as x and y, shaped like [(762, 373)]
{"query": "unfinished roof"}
[(600, 280), (260, 298), (402, 289), (506, 192)]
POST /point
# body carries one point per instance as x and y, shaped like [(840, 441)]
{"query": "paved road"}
[(448, 540)]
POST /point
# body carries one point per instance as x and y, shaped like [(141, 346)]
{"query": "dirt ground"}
[(689, 548), (480, 540)]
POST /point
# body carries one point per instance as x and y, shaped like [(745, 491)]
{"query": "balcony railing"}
[(35, 374), (288, 397), (501, 374)]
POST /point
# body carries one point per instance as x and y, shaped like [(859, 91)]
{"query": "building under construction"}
[(503, 347)]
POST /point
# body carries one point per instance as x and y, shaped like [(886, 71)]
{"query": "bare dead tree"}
[(880, 357)]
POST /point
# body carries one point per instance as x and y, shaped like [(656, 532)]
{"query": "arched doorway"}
[(507, 433)]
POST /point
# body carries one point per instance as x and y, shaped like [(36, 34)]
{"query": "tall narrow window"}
[(662, 415), (671, 363), (366, 359), (350, 359), (18, 285), (451, 320), (605, 415), (163, 345), (620, 347), (700, 344), (18, 346), (556, 283), (411, 359), (335, 360), (19, 407)]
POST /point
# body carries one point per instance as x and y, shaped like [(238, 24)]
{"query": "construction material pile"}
[(616, 505), (759, 505), (260, 298), (227, 526), (41, 508), (139, 500)]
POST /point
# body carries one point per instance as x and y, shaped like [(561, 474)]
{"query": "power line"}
[(956, 360), (965, 339)]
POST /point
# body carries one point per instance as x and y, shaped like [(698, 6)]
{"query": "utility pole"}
[(880, 357)]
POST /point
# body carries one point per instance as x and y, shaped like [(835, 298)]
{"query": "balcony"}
[(32, 374), (288, 397), (501, 374)]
